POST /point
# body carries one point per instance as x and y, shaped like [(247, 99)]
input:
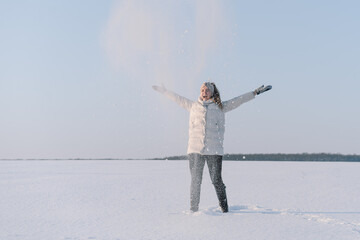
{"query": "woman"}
[(206, 136)]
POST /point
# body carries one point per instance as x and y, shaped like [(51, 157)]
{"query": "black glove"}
[(262, 89)]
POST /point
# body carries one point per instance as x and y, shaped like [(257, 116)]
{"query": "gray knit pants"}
[(214, 162)]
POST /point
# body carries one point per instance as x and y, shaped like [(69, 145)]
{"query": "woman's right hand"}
[(160, 89)]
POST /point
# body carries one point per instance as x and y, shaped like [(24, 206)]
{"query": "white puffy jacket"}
[(207, 121)]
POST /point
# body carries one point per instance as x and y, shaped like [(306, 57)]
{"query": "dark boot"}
[(224, 206), (215, 167), (221, 194)]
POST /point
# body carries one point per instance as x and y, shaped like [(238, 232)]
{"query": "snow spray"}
[(163, 41)]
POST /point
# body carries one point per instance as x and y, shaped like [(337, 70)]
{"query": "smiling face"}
[(205, 93)]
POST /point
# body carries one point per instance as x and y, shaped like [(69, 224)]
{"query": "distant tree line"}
[(299, 157), (302, 157)]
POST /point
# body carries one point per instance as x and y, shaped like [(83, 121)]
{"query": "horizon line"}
[(175, 156)]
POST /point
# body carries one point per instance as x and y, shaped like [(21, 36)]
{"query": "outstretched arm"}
[(182, 101), (236, 102)]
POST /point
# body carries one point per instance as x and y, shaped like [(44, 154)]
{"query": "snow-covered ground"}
[(127, 200)]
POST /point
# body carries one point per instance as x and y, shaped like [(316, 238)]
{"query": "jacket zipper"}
[(205, 132)]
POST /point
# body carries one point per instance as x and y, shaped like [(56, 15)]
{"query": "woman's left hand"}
[(262, 89)]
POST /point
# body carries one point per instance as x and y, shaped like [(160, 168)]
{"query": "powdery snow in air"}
[(124, 200)]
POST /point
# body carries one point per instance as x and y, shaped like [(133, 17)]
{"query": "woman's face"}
[(205, 93)]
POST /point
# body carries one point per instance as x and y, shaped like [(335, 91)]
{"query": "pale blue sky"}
[(76, 76)]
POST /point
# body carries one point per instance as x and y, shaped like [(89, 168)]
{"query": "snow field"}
[(150, 200)]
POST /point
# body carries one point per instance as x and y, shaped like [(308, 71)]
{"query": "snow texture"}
[(150, 200)]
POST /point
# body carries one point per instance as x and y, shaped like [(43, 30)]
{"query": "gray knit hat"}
[(209, 86)]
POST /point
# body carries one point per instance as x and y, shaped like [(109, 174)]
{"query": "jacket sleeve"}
[(237, 101), (182, 101)]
